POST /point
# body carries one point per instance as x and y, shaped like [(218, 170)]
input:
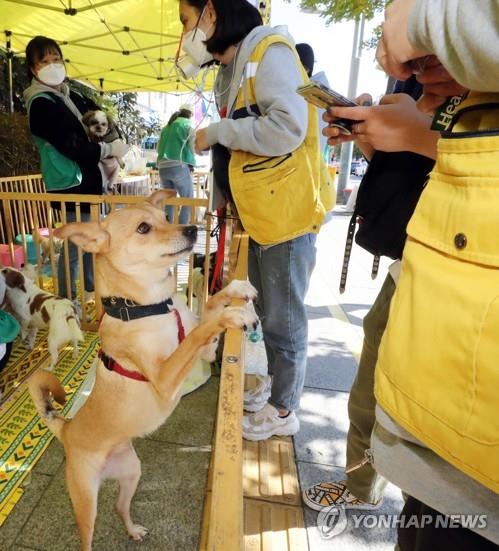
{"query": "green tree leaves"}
[(344, 10)]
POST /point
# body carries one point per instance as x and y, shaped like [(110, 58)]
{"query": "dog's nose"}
[(190, 231)]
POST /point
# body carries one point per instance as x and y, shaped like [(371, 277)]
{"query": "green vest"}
[(174, 143), (58, 171)]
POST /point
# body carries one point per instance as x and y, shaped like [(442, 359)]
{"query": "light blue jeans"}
[(281, 274), (178, 178), (88, 269)]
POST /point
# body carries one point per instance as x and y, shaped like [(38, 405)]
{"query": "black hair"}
[(36, 49), (307, 58), (235, 20), (185, 113)]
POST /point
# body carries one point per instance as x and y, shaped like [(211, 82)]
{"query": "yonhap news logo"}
[(333, 520)]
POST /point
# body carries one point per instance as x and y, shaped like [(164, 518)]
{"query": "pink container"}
[(18, 256), (44, 232)]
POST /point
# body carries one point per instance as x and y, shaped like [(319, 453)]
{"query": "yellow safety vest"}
[(438, 366), (280, 198)]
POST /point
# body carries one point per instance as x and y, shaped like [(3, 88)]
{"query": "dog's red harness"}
[(113, 365), (110, 363)]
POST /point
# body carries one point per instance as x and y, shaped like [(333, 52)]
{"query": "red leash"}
[(112, 365), (216, 281)]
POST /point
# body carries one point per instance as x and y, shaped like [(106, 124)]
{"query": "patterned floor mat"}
[(23, 437)]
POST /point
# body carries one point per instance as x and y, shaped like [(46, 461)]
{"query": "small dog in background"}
[(44, 243), (198, 277), (101, 128), (36, 309), (198, 265)]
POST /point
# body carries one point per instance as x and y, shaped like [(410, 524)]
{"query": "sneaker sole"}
[(284, 432), (312, 504), (365, 507), (344, 504)]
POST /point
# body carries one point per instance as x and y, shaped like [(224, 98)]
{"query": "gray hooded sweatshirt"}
[(282, 126)]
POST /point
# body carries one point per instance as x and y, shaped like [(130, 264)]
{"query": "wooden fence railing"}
[(28, 220)]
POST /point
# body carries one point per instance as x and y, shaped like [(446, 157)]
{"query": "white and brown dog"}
[(150, 341), (36, 309), (102, 128)]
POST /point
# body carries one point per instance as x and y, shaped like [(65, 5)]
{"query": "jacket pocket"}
[(457, 211), (268, 163), (482, 423)]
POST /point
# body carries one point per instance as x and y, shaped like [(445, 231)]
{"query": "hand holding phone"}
[(323, 97)]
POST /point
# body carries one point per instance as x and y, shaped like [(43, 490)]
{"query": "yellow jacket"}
[(438, 366), (279, 198)]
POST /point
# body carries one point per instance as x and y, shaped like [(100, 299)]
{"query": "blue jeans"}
[(88, 269), (281, 275), (178, 178)]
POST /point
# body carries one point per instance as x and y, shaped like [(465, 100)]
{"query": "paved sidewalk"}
[(335, 341)]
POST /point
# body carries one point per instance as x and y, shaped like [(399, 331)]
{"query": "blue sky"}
[(332, 46)]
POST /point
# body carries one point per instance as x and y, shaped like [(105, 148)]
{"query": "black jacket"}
[(56, 124)]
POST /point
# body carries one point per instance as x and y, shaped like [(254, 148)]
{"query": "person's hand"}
[(438, 85), (118, 148), (394, 49), (333, 134), (394, 125), (201, 142)]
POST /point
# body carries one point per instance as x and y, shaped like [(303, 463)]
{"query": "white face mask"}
[(196, 53), (52, 74)]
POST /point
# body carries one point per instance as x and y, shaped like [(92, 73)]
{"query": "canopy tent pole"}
[(10, 55), (101, 87)]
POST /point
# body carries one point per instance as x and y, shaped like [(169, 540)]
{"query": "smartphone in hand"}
[(323, 97)]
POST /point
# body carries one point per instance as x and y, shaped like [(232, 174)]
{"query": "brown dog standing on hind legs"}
[(145, 358)]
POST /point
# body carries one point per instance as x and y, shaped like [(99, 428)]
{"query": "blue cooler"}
[(30, 247)]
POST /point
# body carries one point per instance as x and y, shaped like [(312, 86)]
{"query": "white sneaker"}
[(266, 423), (257, 397)]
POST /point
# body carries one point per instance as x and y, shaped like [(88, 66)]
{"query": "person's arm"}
[(283, 124), (463, 35), (46, 122), (192, 139), (161, 145)]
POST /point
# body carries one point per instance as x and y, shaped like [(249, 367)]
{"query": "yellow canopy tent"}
[(116, 45)]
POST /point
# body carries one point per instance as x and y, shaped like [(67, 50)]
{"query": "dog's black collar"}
[(127, 310)]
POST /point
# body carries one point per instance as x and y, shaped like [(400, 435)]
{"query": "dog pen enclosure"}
[(27, 221)]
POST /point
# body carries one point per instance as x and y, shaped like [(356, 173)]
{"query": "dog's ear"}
[(86, 117), (157, 198), (14, 278), (90, 236)]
